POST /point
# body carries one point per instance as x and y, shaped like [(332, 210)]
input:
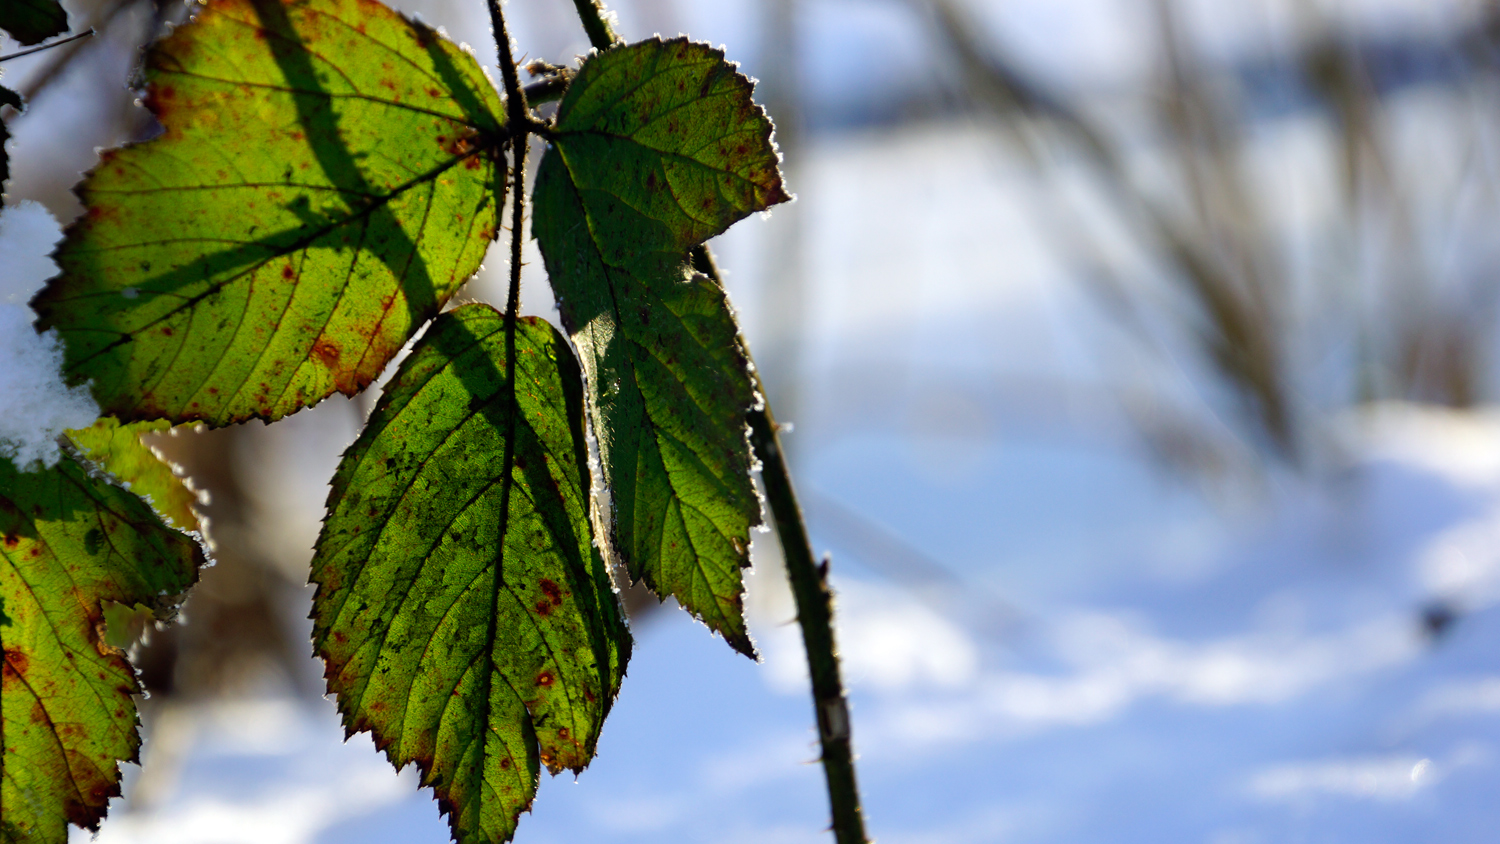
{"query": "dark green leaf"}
[(324, 183), (33, 21), (659, 147), (465, 615), (68, 543)]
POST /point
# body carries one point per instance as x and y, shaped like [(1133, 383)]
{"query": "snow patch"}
[(27, 236), (37, 405)]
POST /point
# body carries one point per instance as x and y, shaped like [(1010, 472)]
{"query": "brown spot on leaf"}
[(14, 665), (544, 679), (552, 591), (328, 353)]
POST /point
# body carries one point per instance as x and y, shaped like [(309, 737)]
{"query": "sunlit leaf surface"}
[(325, 181), (466, 617), (659, 147), (68, 543), (118, 450)]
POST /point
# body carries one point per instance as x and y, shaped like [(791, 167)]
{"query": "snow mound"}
[(37, 406)]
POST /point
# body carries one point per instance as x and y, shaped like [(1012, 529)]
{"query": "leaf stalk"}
[(40, 48)]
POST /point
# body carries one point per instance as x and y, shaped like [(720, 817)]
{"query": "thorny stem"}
[(601, 34), (517, 213), (809, 580), (519, 117)]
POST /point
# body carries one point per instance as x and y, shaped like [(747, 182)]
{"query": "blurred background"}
[(1141, 362)]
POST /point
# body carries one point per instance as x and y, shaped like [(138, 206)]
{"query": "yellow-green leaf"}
[(118, 450), (69, 542), (325, 181)]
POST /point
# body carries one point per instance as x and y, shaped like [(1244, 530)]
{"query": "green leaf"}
[(465, 615), (118, 450), (325, 181), (33, 21), (68, 543), (659, 147)]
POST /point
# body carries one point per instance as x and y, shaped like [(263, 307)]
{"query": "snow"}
[(1286, 692), (37, 405), (1047, 637), (27, 235)]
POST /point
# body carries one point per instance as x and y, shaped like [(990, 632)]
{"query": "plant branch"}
[(38, 49), (809, 581), (100, 22), (517, 213), (519, 117), (550, 89)]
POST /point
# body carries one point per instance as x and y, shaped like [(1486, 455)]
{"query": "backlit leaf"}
[(68, 543), (465, 615), (33, 21), (118, 450), (659, 147), (324, 183)]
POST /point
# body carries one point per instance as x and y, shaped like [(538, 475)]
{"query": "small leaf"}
[(69, 543), (324, 183), (118, 450), (465, 615), (659, 147), (33, 21)]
